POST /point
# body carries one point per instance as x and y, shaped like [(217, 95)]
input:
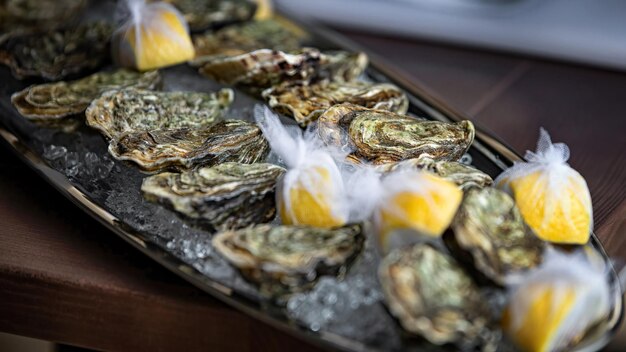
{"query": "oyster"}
[(305, 103), (431, 296), (464, 176), (184, 148), (21, 14), (265, 68), (285, 259), (489, 233), (203, 14), (383, 137), (243, 38), (132, 110), (54, 101), (226, 196), (59, 53)]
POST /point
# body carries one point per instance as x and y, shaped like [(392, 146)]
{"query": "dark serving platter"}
[(345, 314)]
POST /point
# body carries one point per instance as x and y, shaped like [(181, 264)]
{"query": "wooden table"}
[(63, 277)]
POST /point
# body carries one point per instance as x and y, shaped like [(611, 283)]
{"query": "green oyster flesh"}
[(305, 103), (57, 54), (489, 232), (285, 259), (381, 137), (431, 296), (61, 99), (226, 196)]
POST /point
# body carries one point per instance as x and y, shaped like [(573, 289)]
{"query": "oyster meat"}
[(23, 14), (57, 100), (57, 54), (285, 259), (381, 137), (204, 14), (489, 233), (225, 196), (243, 38), (265, 68), (464, 176), (431, 296), (305, 103), (184, 148)]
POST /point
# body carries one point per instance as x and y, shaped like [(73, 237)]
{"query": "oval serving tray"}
[(73, 164)]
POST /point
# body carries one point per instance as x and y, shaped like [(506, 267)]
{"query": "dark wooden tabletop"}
[(63, 277)]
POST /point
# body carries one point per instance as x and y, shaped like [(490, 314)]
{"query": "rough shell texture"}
[(20, 14), (185, 148), (226, 196), (463, 175), (244, 38), (203, 14), (57, 54), (262, 69), (489, 233), (286, 259), (305, 103), (431, 296), (130, 110), (57, 100), (383, 137)]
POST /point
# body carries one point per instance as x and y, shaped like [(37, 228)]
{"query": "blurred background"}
[(581, 31)]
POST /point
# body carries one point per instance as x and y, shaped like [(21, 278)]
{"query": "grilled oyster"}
[(21, 14), (203, 14), (54, 101), (489, 233), (243, 38), (184, 148), (226, 196), (285, 259), (464, 176), (132, 110), (265, 68), (382, 137), (305, 103), (57, 54), (431, 296)]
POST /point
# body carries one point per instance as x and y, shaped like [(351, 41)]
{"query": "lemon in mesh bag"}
[(552, 197), (152, 35), (312, 191), (556, 304)]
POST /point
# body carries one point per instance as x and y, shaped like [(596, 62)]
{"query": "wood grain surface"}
[(63, 277)]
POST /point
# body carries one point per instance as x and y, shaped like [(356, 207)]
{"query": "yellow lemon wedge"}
[(162, 41), (264, 10), (559, 217), (538, 329), (428, 211), (312, 206)]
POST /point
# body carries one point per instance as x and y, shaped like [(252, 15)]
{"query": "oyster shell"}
[(464, 176), (431, 296), (54, 101), (489, 233), (265, 68), (203, 14), (57, 54), (305, 103), (226, 196), (243, 38), (285, 259), (132, 110), (21, 14), (184, 148), (381, 137)]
